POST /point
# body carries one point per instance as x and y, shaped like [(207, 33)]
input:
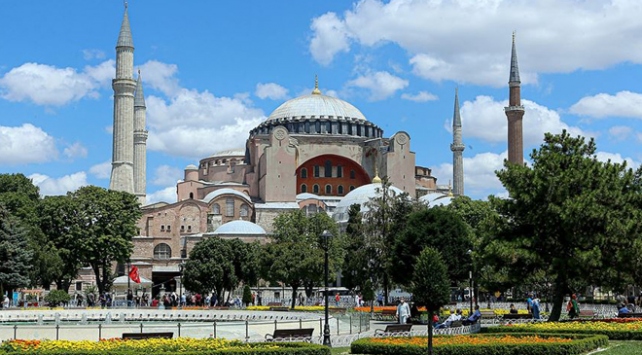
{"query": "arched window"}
[(328, 168), (304, 188), (304, 173), (216, 208), (339, 171), (315, 189), (162, 228), (245, 210), (340, 189), (229, 207), (352, 174), (191, 195), (351, 188), (328, 189), (311, 209), (316, 171), (169, 228), (162, 251)]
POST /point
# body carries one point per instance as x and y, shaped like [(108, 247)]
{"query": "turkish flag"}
[(133, 274)]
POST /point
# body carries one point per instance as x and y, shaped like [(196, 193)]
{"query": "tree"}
[(105, 223), (296, 255), (57, 297), (210, 267), (14, 253), (569, 215), (430, 285), (438, 228), (247, 295), (355, 270)]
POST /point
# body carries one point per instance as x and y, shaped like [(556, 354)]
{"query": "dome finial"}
[(376, 179), (316, 90)]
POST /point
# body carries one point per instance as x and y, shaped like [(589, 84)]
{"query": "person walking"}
[(403, 311), (572, 307)]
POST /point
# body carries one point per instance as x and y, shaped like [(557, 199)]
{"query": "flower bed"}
[(297, 308), (497, 344), (157, 347), (614, 329)]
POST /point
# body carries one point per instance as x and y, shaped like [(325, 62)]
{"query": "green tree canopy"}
[(14, 253), (210, 267), (569, 215)]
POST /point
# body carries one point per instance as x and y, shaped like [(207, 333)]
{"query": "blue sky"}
[(213, 70)]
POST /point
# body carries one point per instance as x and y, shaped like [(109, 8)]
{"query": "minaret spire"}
[(515, 111), (140, 142), (122, 171), (457, 147), (316, 90)]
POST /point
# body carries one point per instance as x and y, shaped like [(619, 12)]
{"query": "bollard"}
[(100, 331), (350, 323), (275, 324), (15, 332), (141, 327), (57, 330), (214, 329), (179, 329), (360, 323), (247, 331), (337, 326), (321, 326), (300, 324)]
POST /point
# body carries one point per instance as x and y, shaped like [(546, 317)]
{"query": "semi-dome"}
[(316, 105), (229, 152), (225, 191), (361, 196), (191, 167), (240, 228)]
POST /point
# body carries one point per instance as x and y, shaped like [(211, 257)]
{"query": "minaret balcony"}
[(514, 108), (457, 147)]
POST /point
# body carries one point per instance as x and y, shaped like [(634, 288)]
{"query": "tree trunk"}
[(100, 286), (294, 288), (385, 289), (558, 300), (430, 315)]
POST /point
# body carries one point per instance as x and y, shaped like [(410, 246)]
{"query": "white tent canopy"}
[(121, 283)]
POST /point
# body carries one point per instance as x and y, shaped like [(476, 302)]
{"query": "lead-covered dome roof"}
[(361, 196), (241, 228), (316, 105)]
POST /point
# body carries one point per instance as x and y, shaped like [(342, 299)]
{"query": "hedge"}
[(580, 344), (611, 334)]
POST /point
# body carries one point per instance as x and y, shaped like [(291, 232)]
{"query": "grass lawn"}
[(623, 348), (346, 350)]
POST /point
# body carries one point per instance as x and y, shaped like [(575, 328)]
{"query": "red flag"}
[(133, 274)]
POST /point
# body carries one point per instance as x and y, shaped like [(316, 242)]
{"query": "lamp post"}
[(326, 235), (470, 280), (180, 297)]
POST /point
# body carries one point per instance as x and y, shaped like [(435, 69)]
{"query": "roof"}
[(361, 196), (306, 196), (436, 199), (514, 69), (229, 152), (240, 228), (316, 105), (139, 96), (191, 167), (125, 36), (214, 194)]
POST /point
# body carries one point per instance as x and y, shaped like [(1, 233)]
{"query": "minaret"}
[(140, 143), (122, 165), (514, 112), (457, 147)]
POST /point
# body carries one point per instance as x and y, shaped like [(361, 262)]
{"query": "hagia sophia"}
[(314, 152)]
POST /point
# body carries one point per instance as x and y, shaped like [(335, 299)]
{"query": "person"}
[(380, 299), (155, 302), (536, 307), (454, 316), (572, 307), (130, 297), (473, 317), (435, 319), (513, 310), (403, 311), (5, 303), (529, 303), (622, 309), (337, 298)]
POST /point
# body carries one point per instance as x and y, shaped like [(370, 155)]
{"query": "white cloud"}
[(102, 170), (477, 49), (271, 91), (620, 133), (480, 179), (50, 86), (160, 76), (622, 104), (616, 158), (76, 150), (193, 124), (167, 194), (166, 175), (330, 37), (485, 119), (421, 96), (59, 186), (89, 54), (381, 84), (26, 144)]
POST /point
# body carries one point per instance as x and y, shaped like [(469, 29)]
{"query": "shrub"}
[(247, 295), (614, 330), (57, 297)]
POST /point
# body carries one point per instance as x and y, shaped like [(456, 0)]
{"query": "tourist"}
[(536, 307), (473, 317), (572, 307), (454, 316), (403, 311), (513, 310), (337, 298), (5, 303)]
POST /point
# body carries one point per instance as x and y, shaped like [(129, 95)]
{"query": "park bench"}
[(588, 313), (274, 304), (302, 334), (395, 329), (488, 315), (139, 336), (509, 318), (629, 315), (279, 308)]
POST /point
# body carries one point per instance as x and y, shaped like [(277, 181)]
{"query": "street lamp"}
[(326, 235), (470, 279), (180, 297)]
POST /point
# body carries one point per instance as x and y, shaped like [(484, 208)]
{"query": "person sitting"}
[(513, 310), (473, 317), (451, 318), (622, 309)]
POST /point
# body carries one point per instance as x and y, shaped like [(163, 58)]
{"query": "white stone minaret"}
[(140, 143), (122, 165), (457, 147)]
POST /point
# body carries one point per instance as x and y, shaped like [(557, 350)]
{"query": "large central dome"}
[(316, 105)]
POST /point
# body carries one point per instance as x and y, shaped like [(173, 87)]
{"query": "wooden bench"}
[(139, 336), (394, 329), (587, 314), (279, 308), (303, 334), (629, 315), (274, 304), (513, 316)]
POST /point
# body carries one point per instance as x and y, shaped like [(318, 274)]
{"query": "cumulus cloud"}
[(26, 144), (167, 194), (477, 49), (51, 86), (271, 91), (381, 84), (479, 174), (89, 54), (59, 186), (620, 133), (102, 170), (484, 118), (622, 104), (166, 175), (421, 96), (160, 76), (616, 158), (193, 124), (76, 150)]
